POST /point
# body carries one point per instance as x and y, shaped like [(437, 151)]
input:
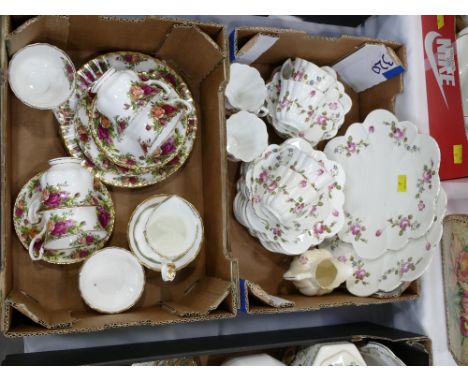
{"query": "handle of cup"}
[(168, 272), (187, 105), (262, 112), (40, 235), (33, 212), (162, 85)]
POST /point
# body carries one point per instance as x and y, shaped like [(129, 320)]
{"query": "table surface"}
[(425, 315)]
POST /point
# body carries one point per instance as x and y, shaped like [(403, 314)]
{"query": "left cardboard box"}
[(39, 298)]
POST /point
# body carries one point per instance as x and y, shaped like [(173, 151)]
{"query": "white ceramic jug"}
[(317, 272)]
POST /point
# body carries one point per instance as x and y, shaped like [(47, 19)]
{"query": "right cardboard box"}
[(262, 288)]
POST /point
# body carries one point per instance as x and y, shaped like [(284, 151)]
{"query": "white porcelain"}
[(171, 228), (111, 281), (64, 227), (317, 272), (247, 136), (329, 354), (308, 73), (298, 109), (74, 122), (65, 184), (147, 132), (41, 76), (291, 197), (377, 354), (376, 155), (393, 268), (253, 360), (246, 89), (116, 96), (182, 254)]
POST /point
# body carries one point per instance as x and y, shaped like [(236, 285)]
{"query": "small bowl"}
[(247, 137), (112, 280), (42, 76)]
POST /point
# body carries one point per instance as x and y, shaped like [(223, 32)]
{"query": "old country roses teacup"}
[(67, 228)]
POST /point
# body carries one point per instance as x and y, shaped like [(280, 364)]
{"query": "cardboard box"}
[(262, 287), (444, 100), (39, 298), (413, 349)]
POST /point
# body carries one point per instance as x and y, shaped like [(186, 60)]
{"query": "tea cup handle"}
[(262, 112), (168, 272), (187, 105), (162, 85), (33, 213), (33, 242)]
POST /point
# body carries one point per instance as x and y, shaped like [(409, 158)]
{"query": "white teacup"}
[(247, 136), (42, 76), (246, 90), (154, 124), (65, 184), (120, 93), (63, 228), (306, 72)]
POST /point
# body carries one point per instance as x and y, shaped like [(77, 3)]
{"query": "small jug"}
[(317, 272)]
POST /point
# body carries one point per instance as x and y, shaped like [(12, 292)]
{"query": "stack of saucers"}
[(132, 119), (291, 197), (306, 101), (394, 204)]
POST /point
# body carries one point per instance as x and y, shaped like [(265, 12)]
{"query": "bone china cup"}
[(118, 96), (155, 123), (112, 280), (42, 76), (70, 224), (65, 184)]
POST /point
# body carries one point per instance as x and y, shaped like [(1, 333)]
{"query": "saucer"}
[(42, 76), (31, 193), (112, 280), (141, 248), (79, 141)]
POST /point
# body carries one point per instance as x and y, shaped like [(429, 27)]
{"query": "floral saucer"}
[(76, 136), (389, 271), (26, 230), (392, 183)]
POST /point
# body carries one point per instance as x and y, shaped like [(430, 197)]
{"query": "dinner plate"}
[(392, 183)]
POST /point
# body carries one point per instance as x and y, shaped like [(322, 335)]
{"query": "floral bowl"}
[(291, 197)]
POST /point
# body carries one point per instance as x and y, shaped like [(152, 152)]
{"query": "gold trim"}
[(99, 187), (202, 241), (67, 57), (77, 152), (136, 299)]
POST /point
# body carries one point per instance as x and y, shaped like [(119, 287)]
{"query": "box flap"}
[(256, 290), (253, 48), (182, 46), (202, 298), (31, 309)]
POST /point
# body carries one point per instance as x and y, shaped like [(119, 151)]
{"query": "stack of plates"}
[(291, 197), (82, 138), (394, 204)]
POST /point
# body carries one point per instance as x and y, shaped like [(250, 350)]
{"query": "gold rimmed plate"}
[(80, 143)]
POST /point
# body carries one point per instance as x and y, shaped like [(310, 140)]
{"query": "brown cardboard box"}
[(39, 298), (261, 271)]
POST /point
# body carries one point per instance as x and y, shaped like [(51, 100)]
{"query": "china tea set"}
[(366, 211), (128, 120)]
